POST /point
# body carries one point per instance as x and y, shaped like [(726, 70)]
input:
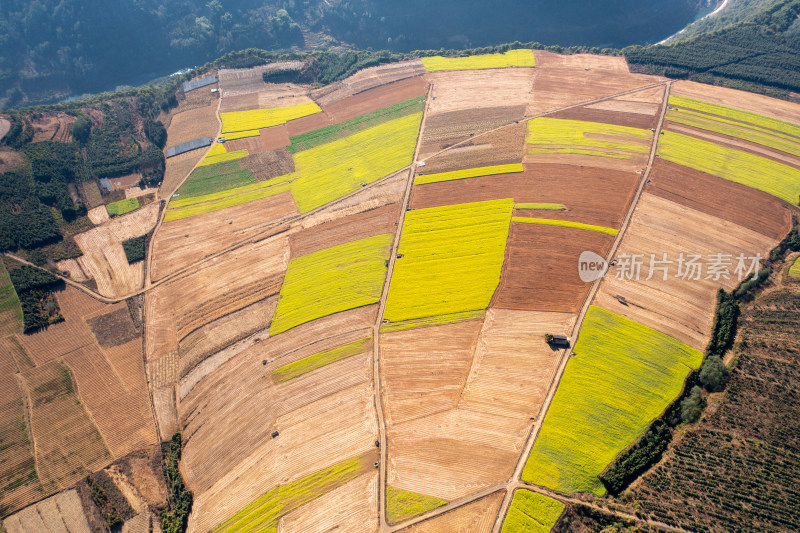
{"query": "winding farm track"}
[(282, 224)]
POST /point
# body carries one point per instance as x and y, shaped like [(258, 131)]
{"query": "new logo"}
[(591, 266)]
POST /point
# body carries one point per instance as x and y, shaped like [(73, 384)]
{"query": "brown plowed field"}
[(456, 449), (268, 165), (721, 198), (502, 146), (556, 87), (61, 513), (177, 168), (212, 232), (540, 272), (366, 79), (547, 60), (424, 369), (736, 143), (755, 103), (476, 517), (346, 229), (104, 258), (268, 139), (446, 129), (353, 507), (201, 97), (16, 455), (242, 102), (629, 106), (112, 387), (308, 123), (591, 195), (621, 118), (458, 90), (193, 124), (67, 442), (683, 309), (376, 98), (242, 79)]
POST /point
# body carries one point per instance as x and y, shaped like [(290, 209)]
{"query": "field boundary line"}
[(575, 333), (376, 372)]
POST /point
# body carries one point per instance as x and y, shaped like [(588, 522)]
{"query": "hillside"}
[(361, 293)]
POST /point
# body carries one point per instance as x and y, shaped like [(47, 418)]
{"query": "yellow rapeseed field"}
[(452, 259), (565, 223), (563, 136), (469, 173), (531, 512), (512, 58), (256, 119), (212, 159)]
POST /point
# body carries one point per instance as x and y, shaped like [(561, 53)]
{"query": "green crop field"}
[(735, 165), (332, 170), (318, 360), (208, 203), (531, 512), (623, 376), (562, 136), (10, 307), (213, 159), (540, 205), (328, 134), (469, 173), (122, 207), (512, 58), (566, 224), (794, 271), (263, 513), (335, 279), (784, 143), (256, 119), (738, 115), (214, 179), (402, 504), (452, 260)]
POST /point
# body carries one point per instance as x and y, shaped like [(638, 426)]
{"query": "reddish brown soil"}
[(499, 147), (345, 229), (445, 129), (748, 207), (269, 139), (268, 165), (540, 272), (633, 120), (374, 99), (591, 195), (308, 123)]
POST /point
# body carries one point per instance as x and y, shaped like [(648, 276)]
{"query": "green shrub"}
[(134, 249)]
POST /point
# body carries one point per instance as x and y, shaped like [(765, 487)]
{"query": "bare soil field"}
[(268, 165), (104, 258), (114, 327), (201, 97), (61, 513), (113, 389), (540, 272), (459, 90), (681, 308), (269, 139), (615, 64), (241, 102), (346, 229), (177, 168), (375, 98), (366, 79), (124, 182), (721, 198), (733, 142), (446, 129), (556, 87), (52, 128), (98, 215), (17, 467), (755, 103), (353, 507), (308, 123), (591, 195), (182, 242), (193, 124), (147, 195), (617, 116), (499, 147), (476, 517), (507, 376), (424, 370), (67, 442), (248, 80), (630, 106)]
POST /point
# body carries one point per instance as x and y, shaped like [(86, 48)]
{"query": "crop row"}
[(402, 504), (566, 224), (223, 156), (623, 376), (123, 206), (255, 119), (512, 58), (212, 179), (469, 173), (540, 205), (319, 359), (735, 165), (745, 117), (331, 280), (451, 259), (553, 135)]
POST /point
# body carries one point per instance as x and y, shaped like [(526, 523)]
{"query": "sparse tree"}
[(692, 406), (713, 374)]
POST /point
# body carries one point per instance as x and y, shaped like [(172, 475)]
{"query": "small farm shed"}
[(560, 340), (200, 82)]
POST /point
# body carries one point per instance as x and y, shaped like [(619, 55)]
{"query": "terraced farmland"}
[(623, 376)]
